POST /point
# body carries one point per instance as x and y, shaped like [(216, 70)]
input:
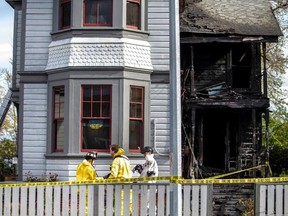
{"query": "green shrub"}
[(279, 160)]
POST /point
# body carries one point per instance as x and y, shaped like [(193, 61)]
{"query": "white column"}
[(175, 108)]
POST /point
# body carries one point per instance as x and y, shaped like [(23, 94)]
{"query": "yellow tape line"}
[(172, 179), (236, 172), (232, 181), (100, 181)]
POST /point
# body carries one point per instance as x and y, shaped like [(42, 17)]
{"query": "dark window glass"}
[(135, 135), (65, 14), (96, 134), (133, 14), (136, 120), (98, 12), (58, 119)]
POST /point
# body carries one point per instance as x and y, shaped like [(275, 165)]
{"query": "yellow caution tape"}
[(98, 181), (232, 181), (236, 172), (244, 170), (171, 179)]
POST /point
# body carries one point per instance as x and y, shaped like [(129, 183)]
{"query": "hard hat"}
[(147, 149), (92, 155)]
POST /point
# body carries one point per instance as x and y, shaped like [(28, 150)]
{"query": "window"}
[(65, 14), (96, 117), (133, 13), (241, 66), (58, 119), (98, 12), (136, 120)]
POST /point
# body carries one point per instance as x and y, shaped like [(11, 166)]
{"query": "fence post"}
[(99, 194), (209, 200), (259, 199)]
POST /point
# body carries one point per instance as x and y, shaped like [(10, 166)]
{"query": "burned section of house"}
[(224, 85)]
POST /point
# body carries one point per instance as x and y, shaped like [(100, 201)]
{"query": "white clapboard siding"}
[(158, 27), (34, 128), (66, 168), (38, 14), (159, 102), (271, 199)]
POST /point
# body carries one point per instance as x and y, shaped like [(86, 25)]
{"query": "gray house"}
[(87, 74)]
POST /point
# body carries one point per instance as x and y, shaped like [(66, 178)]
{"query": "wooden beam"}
[(226, 39), (235, 104)]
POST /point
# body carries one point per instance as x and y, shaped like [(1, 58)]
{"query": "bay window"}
[(136, 118), (98, 12), (96, 117), (58, 118)]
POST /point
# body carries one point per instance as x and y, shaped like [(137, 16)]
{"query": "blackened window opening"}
[(241, 66)]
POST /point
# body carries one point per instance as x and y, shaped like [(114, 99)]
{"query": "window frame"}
[(97, 18), (246, 68), (59, 118), (61, 14), (138, 2), (141, 118), (95, 117)]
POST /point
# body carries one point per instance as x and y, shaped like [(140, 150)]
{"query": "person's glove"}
[(106, 176), (138, 168), (150, 173)]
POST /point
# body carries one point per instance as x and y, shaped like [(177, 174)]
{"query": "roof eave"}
[(14, 3), (207, 38)]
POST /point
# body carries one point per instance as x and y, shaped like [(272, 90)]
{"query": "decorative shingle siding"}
[(38, 29), (34, 128), (99, 52), (158, 27)]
